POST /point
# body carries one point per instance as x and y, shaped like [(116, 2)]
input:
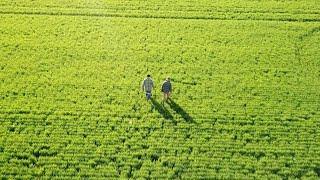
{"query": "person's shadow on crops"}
[(161, 109), (178, 109)]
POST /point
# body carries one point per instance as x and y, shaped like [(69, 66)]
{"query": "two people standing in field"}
[(148, 85)]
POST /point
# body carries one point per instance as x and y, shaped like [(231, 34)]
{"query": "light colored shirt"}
[(147, 84)]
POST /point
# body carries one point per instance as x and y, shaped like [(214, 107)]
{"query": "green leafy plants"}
[(245, 100)]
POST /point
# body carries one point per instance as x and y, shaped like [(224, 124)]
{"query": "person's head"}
[(148, 75), (168, 78)]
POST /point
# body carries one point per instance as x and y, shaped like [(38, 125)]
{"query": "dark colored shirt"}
[(166, 86)]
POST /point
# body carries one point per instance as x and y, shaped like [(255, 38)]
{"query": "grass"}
[(245, 76)]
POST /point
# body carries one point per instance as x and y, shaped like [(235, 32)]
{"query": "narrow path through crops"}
[(231, 16)]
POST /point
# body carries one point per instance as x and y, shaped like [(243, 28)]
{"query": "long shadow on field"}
[(178, 109), (161, 109)]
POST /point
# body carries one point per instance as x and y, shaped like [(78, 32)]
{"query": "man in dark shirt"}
[(166, 88)]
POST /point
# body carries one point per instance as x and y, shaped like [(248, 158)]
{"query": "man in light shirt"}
[(147, 86)]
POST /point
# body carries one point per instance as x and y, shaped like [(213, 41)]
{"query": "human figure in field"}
[(147, 86), (166, 88)]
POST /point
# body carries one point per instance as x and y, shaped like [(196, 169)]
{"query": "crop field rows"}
[(204, 9), (245, 101)]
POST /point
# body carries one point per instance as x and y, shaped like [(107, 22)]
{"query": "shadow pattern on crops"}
[(161, 109), (178, 109)]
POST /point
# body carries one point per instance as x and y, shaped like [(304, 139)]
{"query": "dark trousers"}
[(148, 95)]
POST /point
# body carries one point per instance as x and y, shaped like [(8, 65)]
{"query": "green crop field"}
[(245, 101)]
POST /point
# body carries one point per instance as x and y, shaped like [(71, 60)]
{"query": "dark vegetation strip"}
[(144, 16), (230, 98), (76, 112), (180, 8)]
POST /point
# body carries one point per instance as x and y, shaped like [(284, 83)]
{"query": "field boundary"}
[(242, 16)]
